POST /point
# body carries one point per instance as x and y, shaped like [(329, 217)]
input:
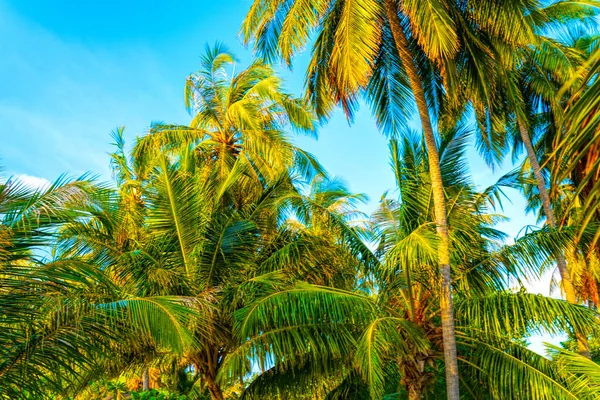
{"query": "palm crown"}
[(391, 331)]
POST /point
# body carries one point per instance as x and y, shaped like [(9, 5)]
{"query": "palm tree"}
[(234, 247), (328, 338), (215, 212), (576, 143), (62, 316), (573, 163), (438, 51), (232, 111), (528, 86), (228, 248)]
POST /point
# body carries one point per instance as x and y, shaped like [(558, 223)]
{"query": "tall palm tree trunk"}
[(439, 202), (145, 380), (560, 259)]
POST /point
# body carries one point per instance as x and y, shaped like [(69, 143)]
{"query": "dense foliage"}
[(224, 261)]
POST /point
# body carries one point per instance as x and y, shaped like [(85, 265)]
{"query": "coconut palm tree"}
[(438, 51), (226, 247), (574, 172), (216, 212), (575, 155), (327, 339), (232, 110), (62, 315), (527, 96)]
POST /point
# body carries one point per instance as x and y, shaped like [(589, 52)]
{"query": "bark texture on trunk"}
[(414, 377), (145, 380), (560, 259), (414, 394), (209, 367), (593, 290), (215, 391), (439, 202)]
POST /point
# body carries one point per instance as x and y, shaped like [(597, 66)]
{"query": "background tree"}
[(63, 316), (527, 98), (440, 53), (216, 213), (391, 331)]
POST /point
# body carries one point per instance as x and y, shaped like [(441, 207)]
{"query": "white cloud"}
[(33, 182)]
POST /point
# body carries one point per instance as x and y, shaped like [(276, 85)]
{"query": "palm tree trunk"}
[(560, 259), (145, 380), (210, 371), (215, 391), (439, 202), (414, 378), (595, 296), (414, 394)]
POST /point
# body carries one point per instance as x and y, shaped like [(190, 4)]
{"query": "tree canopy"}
[(224, 262)]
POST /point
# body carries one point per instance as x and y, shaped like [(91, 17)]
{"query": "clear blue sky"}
[(72, 71)]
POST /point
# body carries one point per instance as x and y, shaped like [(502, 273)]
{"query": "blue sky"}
[(72, 71)]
